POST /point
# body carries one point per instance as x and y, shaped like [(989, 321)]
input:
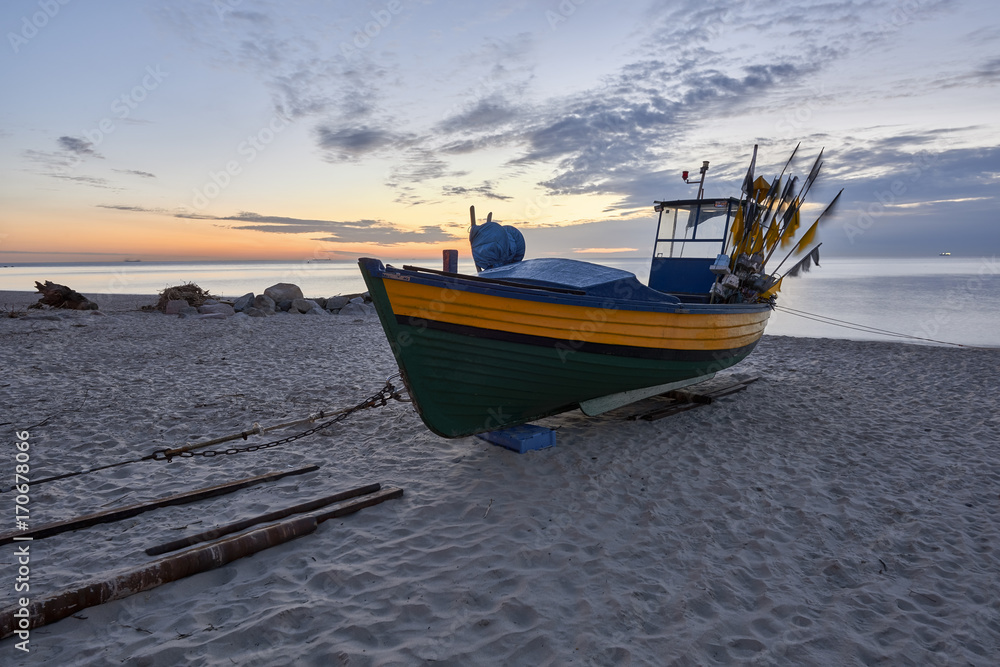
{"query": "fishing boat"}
[(525, 339)]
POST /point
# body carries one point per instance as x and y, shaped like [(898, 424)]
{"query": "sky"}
[(251, 129)]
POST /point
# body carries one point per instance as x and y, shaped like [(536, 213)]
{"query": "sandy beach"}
[(843, 510)]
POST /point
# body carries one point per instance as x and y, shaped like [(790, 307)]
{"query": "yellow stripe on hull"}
[(611, 326)]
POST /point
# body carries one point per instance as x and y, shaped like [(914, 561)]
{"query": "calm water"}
[(945, 298)]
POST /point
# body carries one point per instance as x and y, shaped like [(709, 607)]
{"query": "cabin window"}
[(693, 230)]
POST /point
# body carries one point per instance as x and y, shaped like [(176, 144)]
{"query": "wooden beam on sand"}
[(42, 611), (237, 526), (689, 397), (132, 510), (50, 609), (690, 401), (358, 504)]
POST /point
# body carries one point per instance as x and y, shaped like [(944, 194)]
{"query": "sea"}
[(929, 300)]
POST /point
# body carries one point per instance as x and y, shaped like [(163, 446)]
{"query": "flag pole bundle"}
[(768, 216)]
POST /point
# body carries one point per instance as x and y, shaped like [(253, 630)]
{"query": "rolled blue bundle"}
[(495, 245)]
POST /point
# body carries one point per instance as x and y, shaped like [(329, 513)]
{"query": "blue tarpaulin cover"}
[(594, 279), (495, 245)]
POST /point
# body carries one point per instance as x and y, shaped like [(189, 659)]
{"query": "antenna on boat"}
[(701, 183)]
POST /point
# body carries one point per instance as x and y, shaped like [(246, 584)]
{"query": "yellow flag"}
[(737, 228), (772, 235), (807, 238), (774, 290), (793, 225), (758, 239), (760, 188)]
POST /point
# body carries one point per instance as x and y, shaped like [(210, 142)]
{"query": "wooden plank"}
[(109, 516), (678, 405), (50, 609), (230, 528), (689, 397), (735, 388), (357, 504), (42, 611)]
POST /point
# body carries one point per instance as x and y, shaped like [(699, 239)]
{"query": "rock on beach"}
[(264, 304), (243, 302), (303, 305), (282, 297), (223, 309), (336, 302), (284, 292)]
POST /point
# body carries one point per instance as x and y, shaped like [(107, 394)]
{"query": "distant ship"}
[(133, 260), (945, 254)]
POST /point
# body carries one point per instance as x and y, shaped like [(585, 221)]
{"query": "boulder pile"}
[(280, 298)]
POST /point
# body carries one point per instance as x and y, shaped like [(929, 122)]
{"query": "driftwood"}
[(132, 510), (682, 401), (39, 612), (237, 526), (682, 396), (60, 296), (350, 507), (50, 609), (190, 292)]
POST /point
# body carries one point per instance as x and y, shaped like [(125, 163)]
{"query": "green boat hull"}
[(464, 383)]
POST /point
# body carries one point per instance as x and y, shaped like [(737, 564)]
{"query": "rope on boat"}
[(865, 328), (378, 399)]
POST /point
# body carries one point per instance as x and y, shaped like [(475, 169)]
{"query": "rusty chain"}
[(376, 400)]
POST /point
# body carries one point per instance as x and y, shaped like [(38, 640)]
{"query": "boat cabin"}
[(690, 234)]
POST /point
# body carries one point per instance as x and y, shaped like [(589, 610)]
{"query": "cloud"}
[(988, 73), (378, 232), (134, 209), (61, 163), (897, 194), (613, 139), (604, 140), (92, 181), (78, 146), (483, 114), (713, 62), (628, 234), (347, 143), (51, 161), (417, 165), (136, 172), (484, 190)]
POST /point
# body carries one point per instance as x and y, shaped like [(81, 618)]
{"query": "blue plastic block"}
[(521, 439)]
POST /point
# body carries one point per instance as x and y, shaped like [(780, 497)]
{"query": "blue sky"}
[(255, 129)]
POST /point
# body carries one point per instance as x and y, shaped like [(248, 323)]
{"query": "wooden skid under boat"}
[(479, 353)]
